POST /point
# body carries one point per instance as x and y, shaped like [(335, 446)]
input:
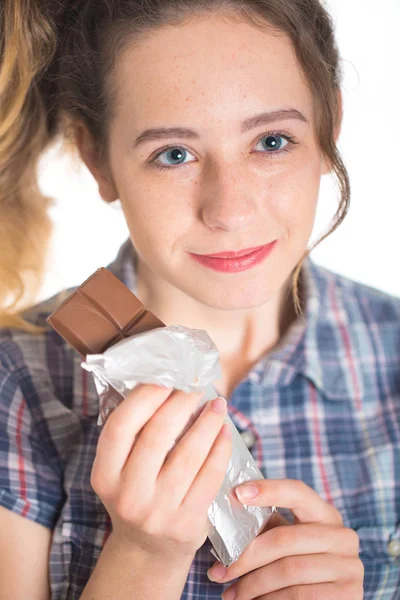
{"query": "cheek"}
[(297, 197), (155, 221)]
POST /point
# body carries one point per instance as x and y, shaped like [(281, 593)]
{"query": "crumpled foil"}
[(185, 359)]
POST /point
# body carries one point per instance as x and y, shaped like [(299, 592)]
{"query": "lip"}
[(239, 261), (232, 254)]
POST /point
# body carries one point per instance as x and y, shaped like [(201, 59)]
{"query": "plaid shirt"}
[(323, 407)]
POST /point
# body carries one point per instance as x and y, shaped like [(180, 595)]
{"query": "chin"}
[(239, 299)]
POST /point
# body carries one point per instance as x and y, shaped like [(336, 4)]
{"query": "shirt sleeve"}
[(30, 472)]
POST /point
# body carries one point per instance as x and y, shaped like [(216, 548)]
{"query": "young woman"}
[(212, 121)]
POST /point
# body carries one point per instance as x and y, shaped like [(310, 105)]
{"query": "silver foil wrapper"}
[(185, 359)]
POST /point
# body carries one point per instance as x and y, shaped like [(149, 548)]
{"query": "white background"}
[(366, 246)]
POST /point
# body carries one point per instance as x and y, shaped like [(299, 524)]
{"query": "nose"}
[(228, 200)]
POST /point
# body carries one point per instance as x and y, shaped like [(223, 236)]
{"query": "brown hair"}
[(57, 63)]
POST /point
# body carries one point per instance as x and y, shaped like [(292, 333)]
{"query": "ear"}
[(88, 154), (326, 166)]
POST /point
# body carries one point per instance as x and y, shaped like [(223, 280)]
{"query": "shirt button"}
[(249, 438), (394, 548)]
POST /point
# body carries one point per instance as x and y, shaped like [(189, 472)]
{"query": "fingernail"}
[(246, 492), (219, 404), (217, 572)]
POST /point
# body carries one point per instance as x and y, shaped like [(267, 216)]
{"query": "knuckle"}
[(226, 450), (297, 593), (358, 593), (338, 516), (177, 533), (297, 489), (98, 484), (354, 540), (130, 511), (283, 536), (353, 591), (218, 456), (303, 487), (353, 570), (225, 442), (123, 510), (182, 535), (154, 529), (359, 569), (113, 430), (290, 567)]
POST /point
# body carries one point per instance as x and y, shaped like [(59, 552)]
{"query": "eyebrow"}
[(264, 118)]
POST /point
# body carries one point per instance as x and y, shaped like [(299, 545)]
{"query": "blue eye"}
[(176, 155), (274, 144)]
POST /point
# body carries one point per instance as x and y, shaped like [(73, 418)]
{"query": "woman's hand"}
[(158, 498), (316, 558)]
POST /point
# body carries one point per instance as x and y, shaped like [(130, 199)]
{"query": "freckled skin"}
[(209, 75)]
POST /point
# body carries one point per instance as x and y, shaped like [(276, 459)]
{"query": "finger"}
[(155, 440), (297, 571), (306, 505), (316, 591), (185, 460), (295, 540), (211, 475), (121, 428)]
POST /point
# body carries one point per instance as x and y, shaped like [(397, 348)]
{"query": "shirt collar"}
[(317, 345)]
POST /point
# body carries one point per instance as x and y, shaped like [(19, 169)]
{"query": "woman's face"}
[(229, 188)]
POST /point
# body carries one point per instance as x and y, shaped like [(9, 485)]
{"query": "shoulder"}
[(355, 302), (353, 320), (39, 425), (352, 341), (40, 361), (44, 363)]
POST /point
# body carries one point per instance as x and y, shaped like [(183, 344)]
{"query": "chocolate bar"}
[(100, 313)]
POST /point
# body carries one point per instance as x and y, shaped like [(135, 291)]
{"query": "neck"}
[(241, 336)]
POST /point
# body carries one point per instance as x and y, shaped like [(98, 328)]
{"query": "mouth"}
[(232, 253), (235, 262)]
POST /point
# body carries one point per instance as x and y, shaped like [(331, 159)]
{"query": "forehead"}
[(209, 68)]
